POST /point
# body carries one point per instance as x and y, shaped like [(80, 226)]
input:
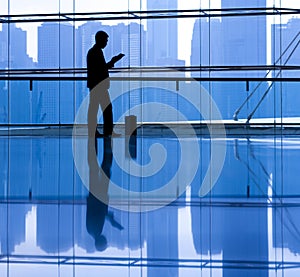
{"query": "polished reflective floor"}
[(246, 224)]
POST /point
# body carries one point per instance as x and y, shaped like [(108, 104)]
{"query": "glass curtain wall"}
[(235, 50)]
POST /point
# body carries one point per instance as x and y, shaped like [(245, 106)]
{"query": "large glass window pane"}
[(85, 39), (238, 48), (45, 99), (66, 6), (290, 100), (33, 7), (4, 84), (66, 102), (4, 169), (20, 102), (104, 6), (286, 50), (162, 43), (48, 45), (132, 44), (18, 54), (3, 37)]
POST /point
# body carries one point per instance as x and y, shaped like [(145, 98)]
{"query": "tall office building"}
[(127, 39), (133, 45), (286, 51), (206, 42), (55, 45), (284, 40), (14, 56), (162, 36), (232, 41), (53, 100), (244, 37), (235, 40)]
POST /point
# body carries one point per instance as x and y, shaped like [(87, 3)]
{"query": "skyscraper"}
[(286, 51), (244, 37), (53, 101), (231, 41), (13, 55), (55, 45), (206, 42), (133, 45), (13, 48), (282, 36), (162, 36)]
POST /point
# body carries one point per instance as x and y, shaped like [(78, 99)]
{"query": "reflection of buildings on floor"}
[(12, 226), (59, 230), (15, 183), (253, 173), (160, 229), (286, 230), (236, 232), (153, 235), (239, 235)]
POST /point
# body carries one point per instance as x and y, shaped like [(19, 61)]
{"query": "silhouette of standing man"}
[(97, 73)]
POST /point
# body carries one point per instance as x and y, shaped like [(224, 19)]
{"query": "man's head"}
[(101, 38), (100, 243)]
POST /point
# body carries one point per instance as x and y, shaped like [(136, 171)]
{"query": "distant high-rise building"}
[(53, 101), (133, 45), (282, 36), (13, 55), (231, 41), (234, 40), (127, 39), (55, 45), (227, 4), (286, 51), (244, 37), (13, 48), (85, 38), (206, 43), (162, 36)]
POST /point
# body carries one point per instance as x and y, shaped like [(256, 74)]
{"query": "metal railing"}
[(143, 14), (33, 76)]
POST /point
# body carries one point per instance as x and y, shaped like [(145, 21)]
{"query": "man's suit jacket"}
[(97, 68)]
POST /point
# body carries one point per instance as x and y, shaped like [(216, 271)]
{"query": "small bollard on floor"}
[(130, 133), (130, 125)]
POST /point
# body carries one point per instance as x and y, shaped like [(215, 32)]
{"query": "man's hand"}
[(117, 58)]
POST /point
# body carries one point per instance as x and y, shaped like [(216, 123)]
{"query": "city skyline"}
[(213, 43), (185, 27), (137, 51), (40, 224)]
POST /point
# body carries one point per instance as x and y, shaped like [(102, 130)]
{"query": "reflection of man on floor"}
[(97, 201), (97, 73)]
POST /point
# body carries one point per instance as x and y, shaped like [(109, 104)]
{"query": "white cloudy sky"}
[(185, 27)]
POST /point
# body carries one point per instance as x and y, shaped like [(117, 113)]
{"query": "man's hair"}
[(100, 36)]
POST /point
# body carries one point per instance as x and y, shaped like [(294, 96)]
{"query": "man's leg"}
[(108, 120), (92, 113), (106, 107)]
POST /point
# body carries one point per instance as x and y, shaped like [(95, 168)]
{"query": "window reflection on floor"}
[(247, 225)]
